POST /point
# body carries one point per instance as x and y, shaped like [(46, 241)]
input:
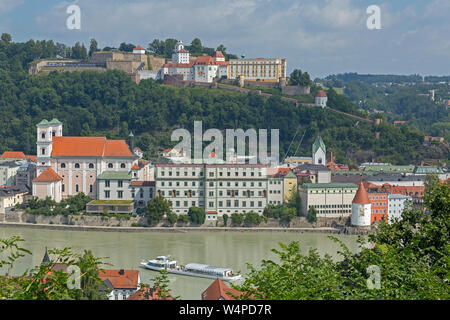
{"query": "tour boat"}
[(191, 269)]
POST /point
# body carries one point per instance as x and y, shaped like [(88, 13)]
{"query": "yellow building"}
[(290, 185), (259, 69), (11, 196)]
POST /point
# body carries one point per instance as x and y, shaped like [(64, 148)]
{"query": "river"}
[(126, 250)]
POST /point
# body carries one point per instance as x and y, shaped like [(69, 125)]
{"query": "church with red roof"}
[(67, 166)]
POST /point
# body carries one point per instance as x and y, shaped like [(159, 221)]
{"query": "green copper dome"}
[(318, 144)]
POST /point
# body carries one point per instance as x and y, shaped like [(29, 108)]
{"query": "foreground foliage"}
[(411, 255)]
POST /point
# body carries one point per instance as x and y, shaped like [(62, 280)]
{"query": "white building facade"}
[(396, 205)]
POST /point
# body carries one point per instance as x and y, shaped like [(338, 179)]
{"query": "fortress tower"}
[(361, 208)]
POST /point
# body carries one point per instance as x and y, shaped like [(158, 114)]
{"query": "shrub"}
[(252, 218), (237, 219), (172, 218), (225, 220)]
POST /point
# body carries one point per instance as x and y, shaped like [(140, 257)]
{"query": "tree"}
[(93, 47), (126, 47), (295, 201), (312, 214), (225, 220), (298, 78), (196, 46), (197, 215), (90, 282), (411, 256), (222, 49), (6, 38), (157, 208)]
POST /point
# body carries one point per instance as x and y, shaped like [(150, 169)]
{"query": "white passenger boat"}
[(191, 269)]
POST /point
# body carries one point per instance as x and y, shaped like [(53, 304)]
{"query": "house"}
[(259, 69), (321, 99), (11, 196), (48, 184), (313, 172), (396, 205), (120, 284), (8, 172), (154, 293), (218, 290)]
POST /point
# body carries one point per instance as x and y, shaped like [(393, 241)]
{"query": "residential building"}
[(396, 205), (315, 173), (361, 208), (79, 160), (11, 196), (153, 293), (120, 284), (259, 69), (218, 290), (329, 199), (379, 205), (8, 173), (220, 188), (26, 174), (48, 184), (396, 179)]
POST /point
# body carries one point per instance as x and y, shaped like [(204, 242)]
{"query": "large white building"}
[(331, 200), (201, 69), (259, 69), (396, 205), (217, 188)]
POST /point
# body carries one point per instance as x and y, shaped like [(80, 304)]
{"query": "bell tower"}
[(44, 143)]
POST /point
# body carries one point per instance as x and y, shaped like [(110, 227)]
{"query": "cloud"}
[(8, 5), (320, 36)]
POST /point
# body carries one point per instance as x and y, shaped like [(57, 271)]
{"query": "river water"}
[(126, 250)]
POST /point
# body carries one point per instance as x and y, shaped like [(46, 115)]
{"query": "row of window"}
[(77, 188), (92, 166), (221, 193), (228, 204), (211, 184), (329, 191), (211, 174)]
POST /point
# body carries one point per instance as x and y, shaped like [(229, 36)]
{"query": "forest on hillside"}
[(110, 104)]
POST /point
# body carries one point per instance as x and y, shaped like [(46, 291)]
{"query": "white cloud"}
[(8, 5)]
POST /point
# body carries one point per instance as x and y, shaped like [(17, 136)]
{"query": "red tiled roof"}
[(218, 289), (221, 63), (361, 196), (48, 176), (183, 51), (129, 280), (142, 183), (138, 48), (31, 158), (89, 147), (117, 148), (135, 167), (321, 94), (148, 294), (218, 54), (205, 60), (13, 155)]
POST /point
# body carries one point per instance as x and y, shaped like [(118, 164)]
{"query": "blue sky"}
[(319, 36)]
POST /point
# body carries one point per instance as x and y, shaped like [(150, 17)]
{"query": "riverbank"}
[(166, 229)]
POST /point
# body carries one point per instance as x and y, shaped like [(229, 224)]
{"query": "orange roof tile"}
[(31, 158), (129, 279), (139, 48), (218, 289), (361, 196), (48, 176), (321, 94), (89, 147), (13, 155), (149, 294), (117, 148), (135, 167), (218, 54), (204, 60)]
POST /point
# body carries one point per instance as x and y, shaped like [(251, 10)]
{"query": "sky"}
[(322, 37)]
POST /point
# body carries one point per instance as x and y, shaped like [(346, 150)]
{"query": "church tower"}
[(45, 132), (319, 152), (180, 55)]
